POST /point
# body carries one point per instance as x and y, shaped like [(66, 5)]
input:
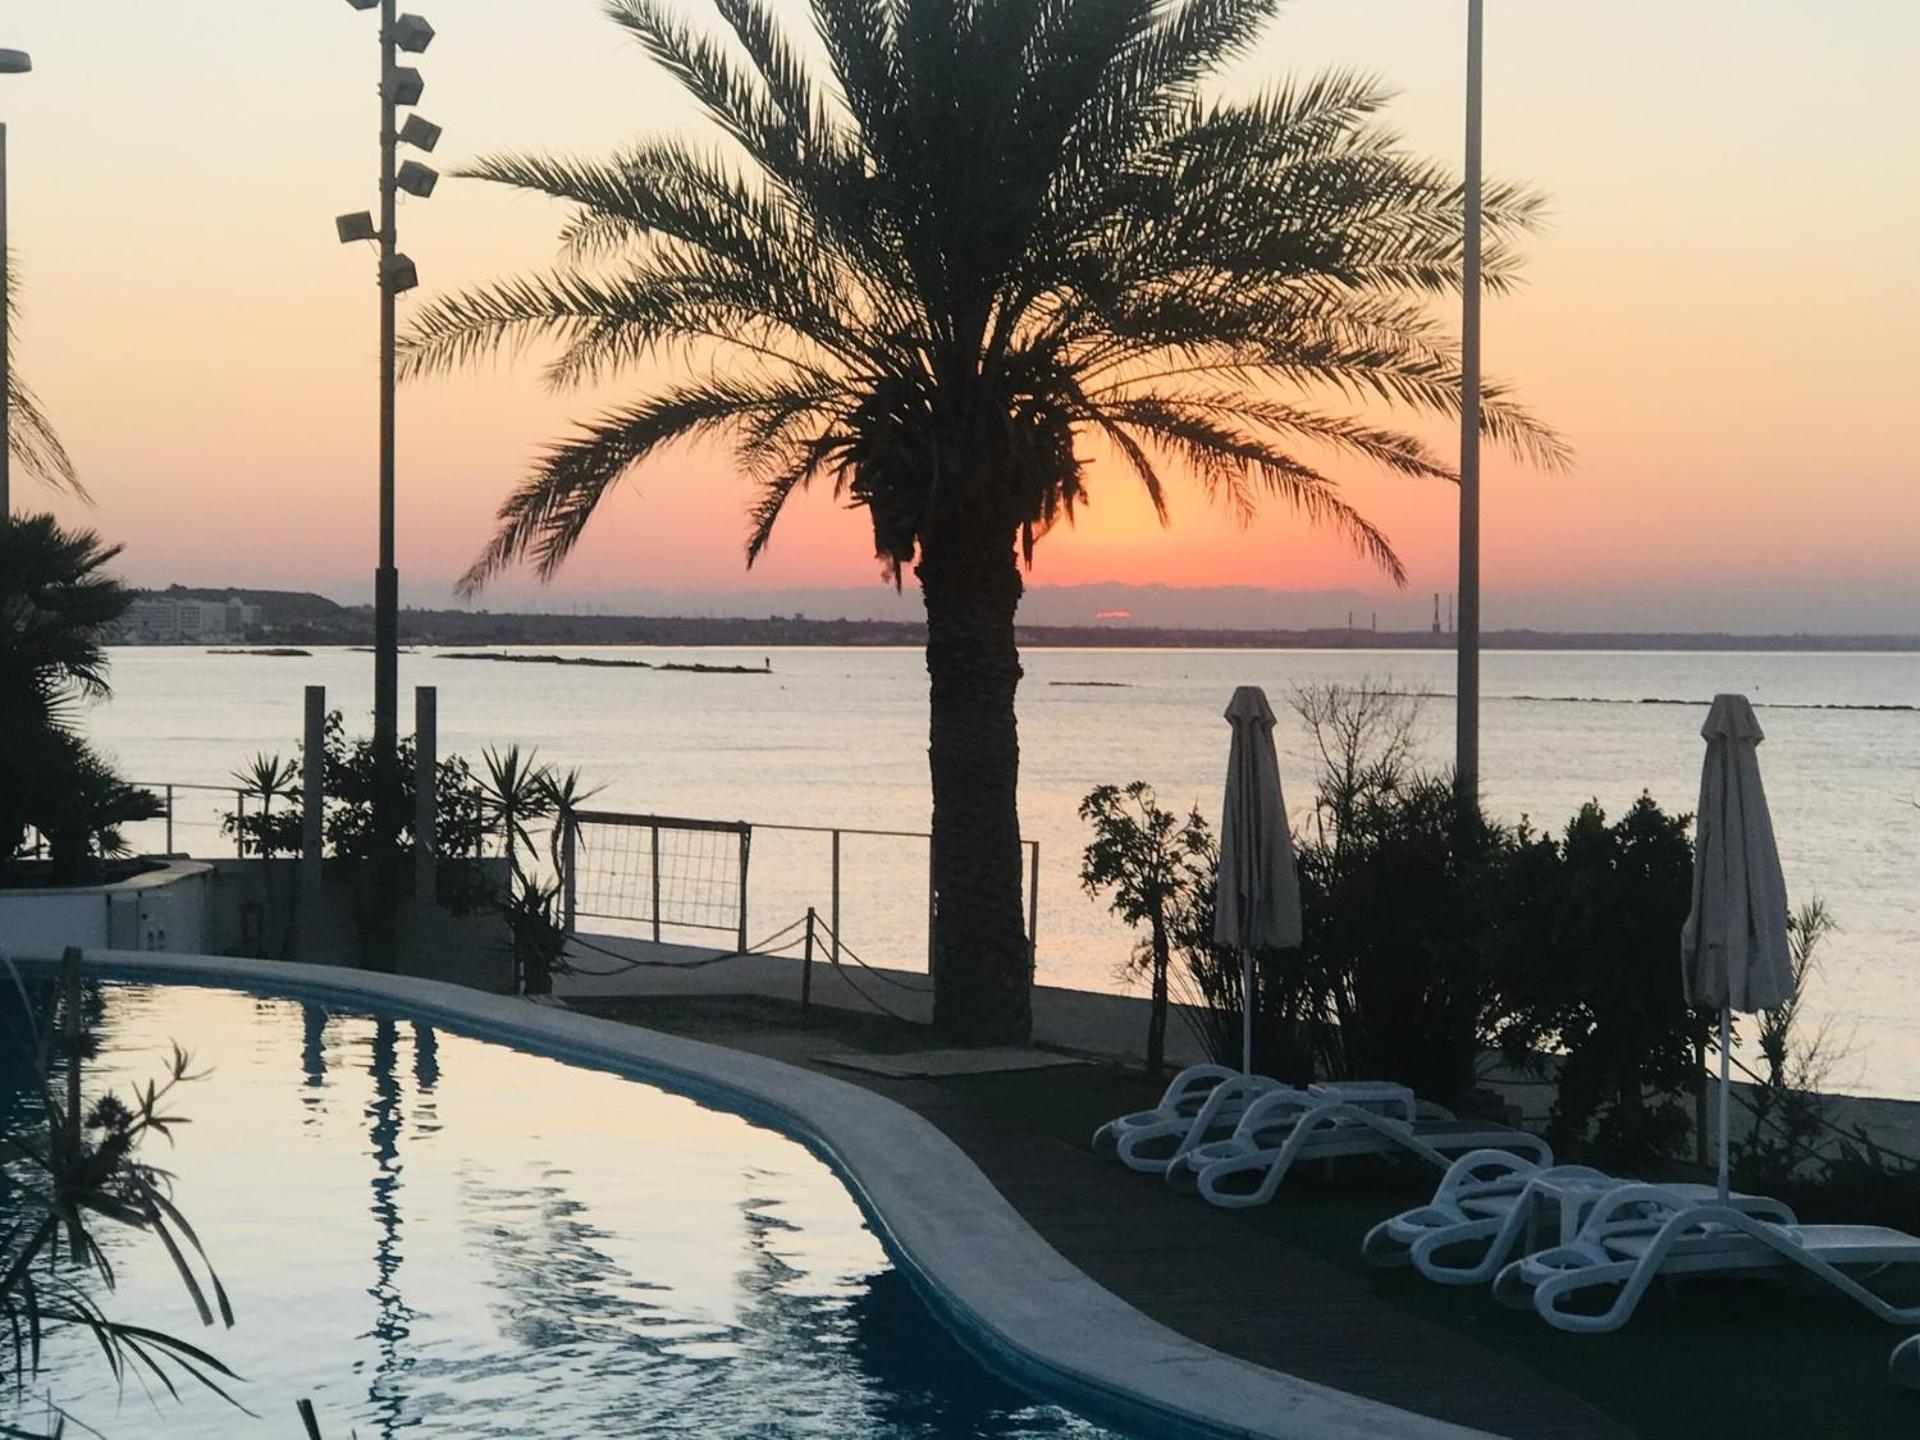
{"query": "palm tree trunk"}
[(982, 975)]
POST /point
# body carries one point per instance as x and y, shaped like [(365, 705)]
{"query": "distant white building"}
[(167, 620)]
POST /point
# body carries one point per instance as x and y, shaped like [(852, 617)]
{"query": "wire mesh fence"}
[(673, 879), (659, 872), (191, 819), (680, 879)]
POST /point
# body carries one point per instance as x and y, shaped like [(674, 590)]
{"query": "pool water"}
[(434, 1236)]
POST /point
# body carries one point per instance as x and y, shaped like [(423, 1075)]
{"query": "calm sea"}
[(838, 738)]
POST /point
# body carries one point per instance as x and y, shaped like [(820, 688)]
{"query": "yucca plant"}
[(977, 247), (514, 794), (566, 795), (264, 779)]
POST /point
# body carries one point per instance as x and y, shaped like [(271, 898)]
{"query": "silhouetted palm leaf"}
[(31, 437), (984, 230)]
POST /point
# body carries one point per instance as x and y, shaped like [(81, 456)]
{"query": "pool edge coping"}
[(984, 1270)]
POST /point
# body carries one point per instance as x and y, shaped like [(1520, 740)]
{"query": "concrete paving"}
[(612, 967)]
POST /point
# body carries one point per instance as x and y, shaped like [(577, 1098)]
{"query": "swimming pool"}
[(437, 1235)]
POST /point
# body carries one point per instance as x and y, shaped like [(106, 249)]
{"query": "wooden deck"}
[(1207, 1273)]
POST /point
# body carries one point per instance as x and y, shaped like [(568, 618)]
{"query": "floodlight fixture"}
[(363, 4), (402, 275), (419, 133), (408, 87), (412, 34), (15, 62), (357, 226), (416, 179)]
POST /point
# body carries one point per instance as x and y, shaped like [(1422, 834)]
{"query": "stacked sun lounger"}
[(1235, 1138), (1581, 1248), (1578, 1246)]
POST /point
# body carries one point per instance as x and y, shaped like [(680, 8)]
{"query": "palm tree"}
[(57, 602), (31, 437), (985, 233)]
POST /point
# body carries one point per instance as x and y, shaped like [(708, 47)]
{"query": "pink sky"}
[(1720, 317)]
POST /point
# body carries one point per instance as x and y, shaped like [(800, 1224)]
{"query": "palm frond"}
[(979, 228), (545, 517)]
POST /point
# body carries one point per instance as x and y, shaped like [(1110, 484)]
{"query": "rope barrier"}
[(631, 962)]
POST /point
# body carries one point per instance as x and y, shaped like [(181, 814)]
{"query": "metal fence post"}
[(836, 897), (240, 824), (806, 967), (1033, 909), (655, 848), (169, 819), (569, 840), (746, 844)]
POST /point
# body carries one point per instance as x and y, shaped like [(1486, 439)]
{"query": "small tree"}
[(1153, 862)]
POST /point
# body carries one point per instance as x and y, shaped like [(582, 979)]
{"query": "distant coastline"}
[(302, 619)]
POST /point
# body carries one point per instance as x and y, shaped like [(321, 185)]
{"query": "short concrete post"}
[(426, 766), (313, 810)]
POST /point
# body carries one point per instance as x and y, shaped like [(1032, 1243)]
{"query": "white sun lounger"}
[(1247, 1168), (1496, 1201), (1638, 1233), (1904, 1363), (1202, 1100)]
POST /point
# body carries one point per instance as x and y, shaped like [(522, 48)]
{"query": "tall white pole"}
[(1466, 765), (1246, 1011), (6, 339), (1726, 1093)]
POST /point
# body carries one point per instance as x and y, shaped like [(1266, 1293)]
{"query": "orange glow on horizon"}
[(1715, 317)]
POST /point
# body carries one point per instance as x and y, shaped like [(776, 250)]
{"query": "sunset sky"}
[(1721, 315)]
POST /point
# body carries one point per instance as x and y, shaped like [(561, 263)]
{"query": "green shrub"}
[(1432, 936), (1592, 971)]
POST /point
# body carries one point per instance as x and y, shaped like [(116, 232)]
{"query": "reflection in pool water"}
[(436, 1236)]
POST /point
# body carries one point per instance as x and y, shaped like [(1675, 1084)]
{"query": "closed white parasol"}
[(1257, 905), (1733, 948)]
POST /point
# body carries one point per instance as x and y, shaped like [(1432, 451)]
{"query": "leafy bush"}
[(354, 791), (1400, 912), (1591, 969), (1432, 936)]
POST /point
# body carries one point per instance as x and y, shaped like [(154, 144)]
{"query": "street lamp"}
[(1466, 763), (12, 62), (400, 86)]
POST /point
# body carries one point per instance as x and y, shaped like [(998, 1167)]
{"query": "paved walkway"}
[(1206, 1273), (612, 966)]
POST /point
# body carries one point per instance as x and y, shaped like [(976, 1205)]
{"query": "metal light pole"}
[(400, 86), (1466, 764), (12, 62)]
